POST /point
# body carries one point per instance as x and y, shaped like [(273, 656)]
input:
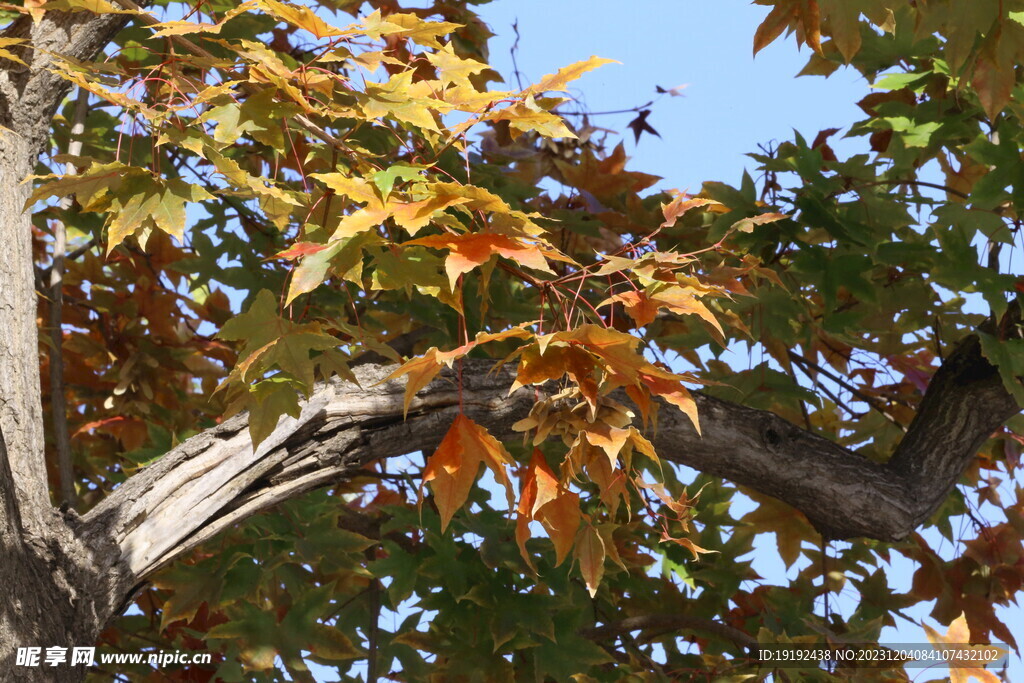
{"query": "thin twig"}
[(43, 274), (58, 402), (631, 110), (512, 51), (916, 183), (372, 635), (872, 402), (744, 641)]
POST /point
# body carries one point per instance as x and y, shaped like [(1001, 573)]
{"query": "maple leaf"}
[(539, 477), (252, 326), (414, 216), (590, 554), (790, 526), (393, 99), (422, 369), (615, 349), (178, 28), (611, 480), (607, 438), (747, 224), (452, 69), (420, 31), (151, 202), (385, 180), (90, 187), (527, 116), (303, 17), (272, 340), (558, 81), (356, 188), (342, 256), (472, 250), (560, 518), (993, 77), (640, 126), (7, 54), (640, 307), (956, 646), (843, 26), (270, 399), (680, 205), (452, 469), (782, 14)]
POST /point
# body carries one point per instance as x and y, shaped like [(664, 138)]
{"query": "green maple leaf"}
[(258, 326), (277, 341), (89, 187), (151, 203), (268, 401), (385, 180)]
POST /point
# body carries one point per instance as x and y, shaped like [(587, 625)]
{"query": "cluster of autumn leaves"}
[(365, 224)]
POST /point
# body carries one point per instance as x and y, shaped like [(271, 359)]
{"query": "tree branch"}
[(214, 480), (671, 622), (58, 404)]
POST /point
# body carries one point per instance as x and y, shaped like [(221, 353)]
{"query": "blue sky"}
[(733, 101)]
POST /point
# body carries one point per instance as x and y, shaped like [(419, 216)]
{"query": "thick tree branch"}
[(214, 480)]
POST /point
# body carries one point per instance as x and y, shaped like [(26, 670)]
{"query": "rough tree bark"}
[(66, 576)]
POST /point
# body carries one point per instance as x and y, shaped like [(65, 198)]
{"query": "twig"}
[(512, 51), (872, 402), (631, 110), (664, 622), (916, 183), (43, 274), (372, 634), (58, 403)]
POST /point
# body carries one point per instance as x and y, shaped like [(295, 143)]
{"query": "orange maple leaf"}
[(472, 250), (452, 469), (545, 500)]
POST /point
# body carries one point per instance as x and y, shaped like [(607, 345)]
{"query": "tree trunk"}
[(59, 591), (46, 574)]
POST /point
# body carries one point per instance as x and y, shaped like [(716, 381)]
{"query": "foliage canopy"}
[(268, 195)]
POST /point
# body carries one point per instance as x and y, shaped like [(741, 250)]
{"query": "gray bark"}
[(66, 577), (55, 594)]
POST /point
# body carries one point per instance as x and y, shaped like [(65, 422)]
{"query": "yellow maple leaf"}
[(957, 649)]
